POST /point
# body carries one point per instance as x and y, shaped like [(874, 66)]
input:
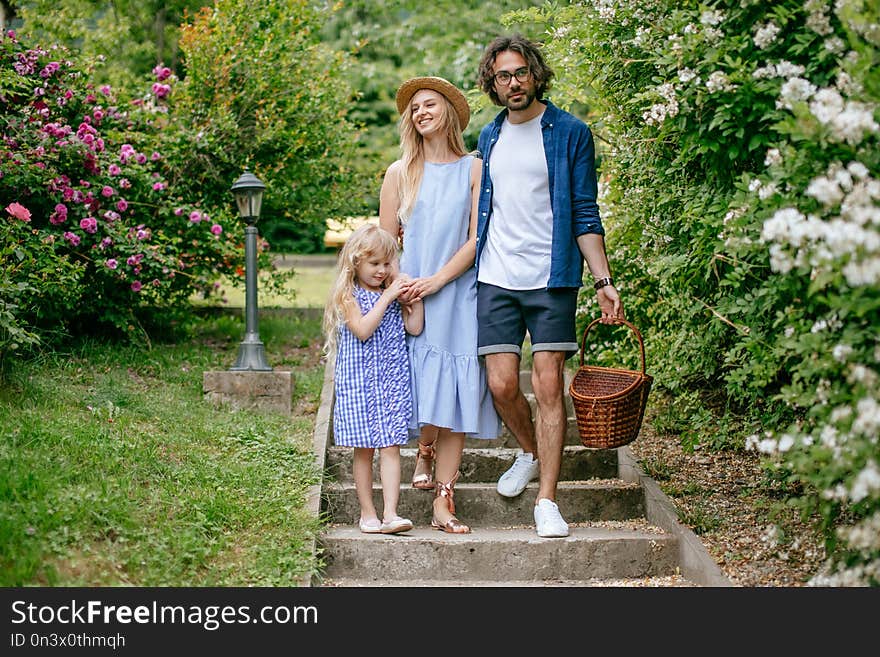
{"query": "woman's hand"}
[(419, 288)]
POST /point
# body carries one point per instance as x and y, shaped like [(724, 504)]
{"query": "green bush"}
[(112, 244), (261, 90), (740, 185)]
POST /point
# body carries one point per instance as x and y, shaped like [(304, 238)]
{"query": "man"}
[(538, 220)]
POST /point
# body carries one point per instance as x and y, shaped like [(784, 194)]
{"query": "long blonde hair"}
[(367, 240), (412, 149)]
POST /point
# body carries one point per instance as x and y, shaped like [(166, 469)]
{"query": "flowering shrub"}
[(261, 89), (741, 185), (109, 241)]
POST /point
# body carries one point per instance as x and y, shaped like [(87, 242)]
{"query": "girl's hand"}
[(394, 288)]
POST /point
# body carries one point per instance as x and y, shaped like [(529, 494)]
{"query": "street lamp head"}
[(248, 192)]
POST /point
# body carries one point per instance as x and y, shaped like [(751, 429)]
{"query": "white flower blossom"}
[(687, 74), (853, 123), (795, 90), (857, 169), (825, 190), (766, 191), (718, 82), (785, 69), (786, 442), (827, 104), (841, 352), (835, 45), (711, 17), (773, 157), (866, 483), (766, 34)]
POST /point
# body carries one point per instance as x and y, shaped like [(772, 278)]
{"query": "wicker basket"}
[(609, 403)]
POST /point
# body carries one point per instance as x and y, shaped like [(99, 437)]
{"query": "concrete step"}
[(480, 505), (506, 439), (499, 555), (666, 581), (485, 465)]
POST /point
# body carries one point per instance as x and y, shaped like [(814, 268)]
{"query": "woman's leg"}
[(423, 473), (362, 469), (447, 449)]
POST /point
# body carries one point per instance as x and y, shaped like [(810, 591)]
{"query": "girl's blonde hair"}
[(412, 149), (367, 240)]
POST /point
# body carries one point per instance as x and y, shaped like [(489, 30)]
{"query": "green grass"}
[(308, 288), (115, 471)]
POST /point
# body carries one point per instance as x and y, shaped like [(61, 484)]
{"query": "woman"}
[(430, 197)]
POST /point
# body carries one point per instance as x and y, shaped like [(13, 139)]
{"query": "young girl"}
[(366, 326)]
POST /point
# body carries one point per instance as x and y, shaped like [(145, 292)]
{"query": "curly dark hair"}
[(530, 51)]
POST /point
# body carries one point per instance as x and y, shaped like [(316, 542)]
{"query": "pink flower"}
[(135, 260), (161, 90), (162, 72), (136, 286), (18, 211), (216, 229), (89, 224), (60, 214), (124, 183), (114, 170), (122, 205), (159, 186), (155, 156), (140, 158), (106, 242), (106, 190), (195, 217), (111, 263), (105, 89), (178, 211), (125, 152), (71, 237)]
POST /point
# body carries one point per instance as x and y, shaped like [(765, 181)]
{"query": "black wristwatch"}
[(602, 282)]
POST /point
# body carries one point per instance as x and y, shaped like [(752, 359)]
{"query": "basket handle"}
[(614, 320)]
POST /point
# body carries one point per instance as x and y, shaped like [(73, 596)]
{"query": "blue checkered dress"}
[(373, 401)]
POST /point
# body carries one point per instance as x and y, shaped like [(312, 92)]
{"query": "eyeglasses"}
[(504, 77)]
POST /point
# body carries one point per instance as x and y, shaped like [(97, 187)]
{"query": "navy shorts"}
[(504, 316)]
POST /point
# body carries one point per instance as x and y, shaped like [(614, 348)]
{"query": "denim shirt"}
[(570, 154)]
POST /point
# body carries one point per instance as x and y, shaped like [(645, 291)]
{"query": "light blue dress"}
[(448, 379)]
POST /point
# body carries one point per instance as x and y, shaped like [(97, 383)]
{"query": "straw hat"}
[(408, 89)]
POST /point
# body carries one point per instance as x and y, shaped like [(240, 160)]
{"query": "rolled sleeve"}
[(584, 185)]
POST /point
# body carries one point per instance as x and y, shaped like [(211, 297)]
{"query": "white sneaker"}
[(514, 481), (548, 520)]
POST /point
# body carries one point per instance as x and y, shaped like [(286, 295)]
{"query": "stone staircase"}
[(623, 531)]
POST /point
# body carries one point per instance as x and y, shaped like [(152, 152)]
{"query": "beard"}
[(526, 98)]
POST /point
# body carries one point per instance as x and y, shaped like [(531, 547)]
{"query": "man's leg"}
[(502, 376), (548, 383)]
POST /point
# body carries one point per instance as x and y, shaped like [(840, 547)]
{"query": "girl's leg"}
[(362, 469), (448, 450), (389, 471)]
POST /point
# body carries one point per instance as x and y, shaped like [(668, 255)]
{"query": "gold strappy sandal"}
[(453, 525), (423, 475)]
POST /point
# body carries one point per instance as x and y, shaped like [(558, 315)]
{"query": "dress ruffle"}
[(462, 404)]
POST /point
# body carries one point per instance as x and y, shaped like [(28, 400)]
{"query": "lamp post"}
[(248, 192)]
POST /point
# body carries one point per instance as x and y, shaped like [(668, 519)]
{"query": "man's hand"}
[(609, 303)]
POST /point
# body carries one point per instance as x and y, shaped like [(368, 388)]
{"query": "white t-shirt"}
[(517, 251)]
